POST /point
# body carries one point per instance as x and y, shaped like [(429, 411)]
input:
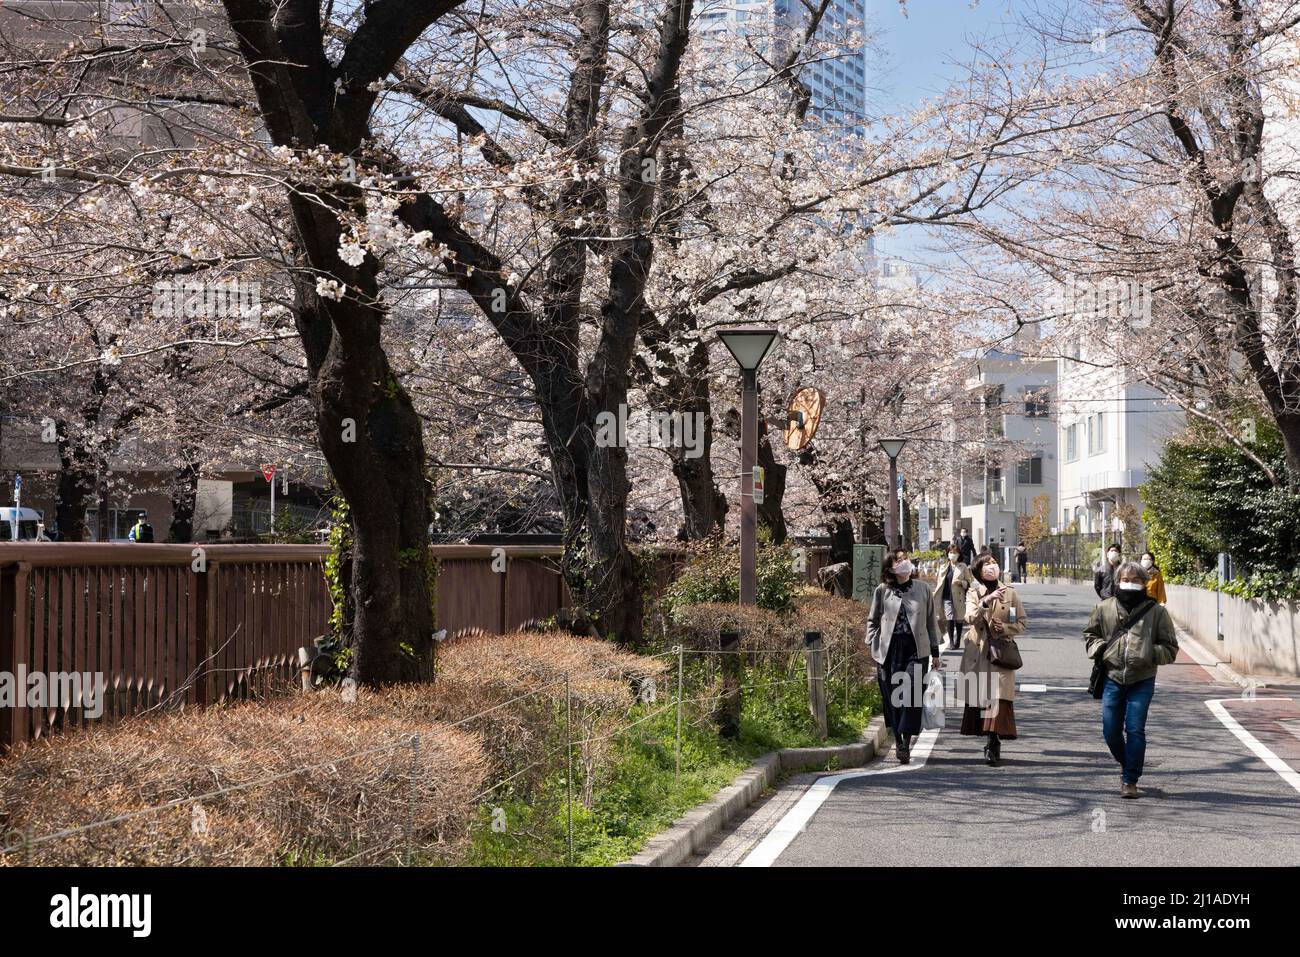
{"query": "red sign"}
[(268, 472)]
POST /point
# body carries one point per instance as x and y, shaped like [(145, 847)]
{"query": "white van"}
[(30, 526)]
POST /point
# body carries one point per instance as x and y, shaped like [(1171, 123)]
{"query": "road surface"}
[(1214, 795)]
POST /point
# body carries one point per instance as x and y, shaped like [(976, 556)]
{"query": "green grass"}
[(636, 795)]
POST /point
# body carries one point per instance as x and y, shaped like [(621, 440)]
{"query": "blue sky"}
[(916, 61), (919, 47)]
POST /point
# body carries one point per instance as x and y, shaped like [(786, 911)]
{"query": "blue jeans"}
[(1124, 723)]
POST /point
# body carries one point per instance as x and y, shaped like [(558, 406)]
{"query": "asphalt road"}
[(1209, 800)]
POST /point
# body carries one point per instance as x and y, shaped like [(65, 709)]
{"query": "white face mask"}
[(1113, 557), (1131, 586), (991, 572), (903, 570), (1147, 563), (953, 556)]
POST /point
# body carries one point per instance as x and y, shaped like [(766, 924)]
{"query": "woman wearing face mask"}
[(1155, 580), (903, 633), (1132, 635), (950, 596), (1103, 579), (991, 609)]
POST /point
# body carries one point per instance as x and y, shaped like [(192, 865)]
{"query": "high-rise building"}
[(835, 70)]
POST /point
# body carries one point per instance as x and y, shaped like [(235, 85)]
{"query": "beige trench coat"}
[(961, 579), (973, 658)]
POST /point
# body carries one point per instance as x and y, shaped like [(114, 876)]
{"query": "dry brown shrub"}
[(697, 627), (325, 814), (479, 674)]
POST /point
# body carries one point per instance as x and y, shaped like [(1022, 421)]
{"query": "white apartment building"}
[(1110, 431), (1015, 396)]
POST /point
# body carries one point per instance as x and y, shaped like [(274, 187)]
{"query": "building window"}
[(1036, 402), (1096, 433), (1030, 471), (1072, 443)]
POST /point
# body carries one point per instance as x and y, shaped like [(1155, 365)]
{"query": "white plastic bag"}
[(932, 716)]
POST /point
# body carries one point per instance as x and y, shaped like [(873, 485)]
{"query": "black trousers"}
[(902, 684)]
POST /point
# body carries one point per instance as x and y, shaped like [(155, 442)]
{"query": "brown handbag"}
[(1001, 652)]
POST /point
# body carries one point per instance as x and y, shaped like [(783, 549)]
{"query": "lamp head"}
[(749, 347), (893, 446)]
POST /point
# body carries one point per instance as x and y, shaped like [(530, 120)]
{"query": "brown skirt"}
[(973, 720)]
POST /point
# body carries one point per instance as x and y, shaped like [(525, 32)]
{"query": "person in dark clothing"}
[(903, 633), (1103, 578), (966, 547), (1022, 562)]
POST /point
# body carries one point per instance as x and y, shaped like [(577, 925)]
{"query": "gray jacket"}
[(885, 606)]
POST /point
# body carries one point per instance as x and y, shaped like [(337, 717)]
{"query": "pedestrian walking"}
[(966, 547), (1155, 580), (1131, 635), (903, 632), (994, 611), (950, 597), (1022, 562), (1103, 574)]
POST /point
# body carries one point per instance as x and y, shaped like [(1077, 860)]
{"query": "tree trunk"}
[(704, 507), (184, 493), (77, 488), (373, 441), (770, 514)]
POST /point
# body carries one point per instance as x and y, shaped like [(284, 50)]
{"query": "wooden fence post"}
[(8, 594), (209, 599), (728, 717), (816, 655)]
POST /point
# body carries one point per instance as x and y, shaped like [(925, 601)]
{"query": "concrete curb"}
[(1213, 661), (693, 830)]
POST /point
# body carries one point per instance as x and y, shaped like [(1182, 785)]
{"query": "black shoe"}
[(904, 750), (993, 752)]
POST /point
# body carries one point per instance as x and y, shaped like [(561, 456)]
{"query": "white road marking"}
[(1257, 747), (796, 819), (1216, 705)]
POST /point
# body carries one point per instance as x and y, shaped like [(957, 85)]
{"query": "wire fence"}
[(567, 773)]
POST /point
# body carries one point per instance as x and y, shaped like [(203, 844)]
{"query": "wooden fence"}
[(164, 634), (160, 632)]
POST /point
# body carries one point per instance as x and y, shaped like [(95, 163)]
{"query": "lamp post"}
[(892, 531), (749, 347)]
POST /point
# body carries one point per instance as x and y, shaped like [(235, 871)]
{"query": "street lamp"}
[(749, 347), (892, 447)]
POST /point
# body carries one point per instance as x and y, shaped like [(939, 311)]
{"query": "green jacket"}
[(1134, 655)]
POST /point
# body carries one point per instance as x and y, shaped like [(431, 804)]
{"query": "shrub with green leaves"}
[(1206, 496), (712, 576)]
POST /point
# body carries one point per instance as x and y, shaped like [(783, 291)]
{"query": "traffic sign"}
[(268, 472)]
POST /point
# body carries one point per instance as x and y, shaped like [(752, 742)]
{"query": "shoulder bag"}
[(1001, 651)]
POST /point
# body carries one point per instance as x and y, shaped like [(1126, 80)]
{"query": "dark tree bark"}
[(369, 431), (770, 514), (184, 492), (77, 488)]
